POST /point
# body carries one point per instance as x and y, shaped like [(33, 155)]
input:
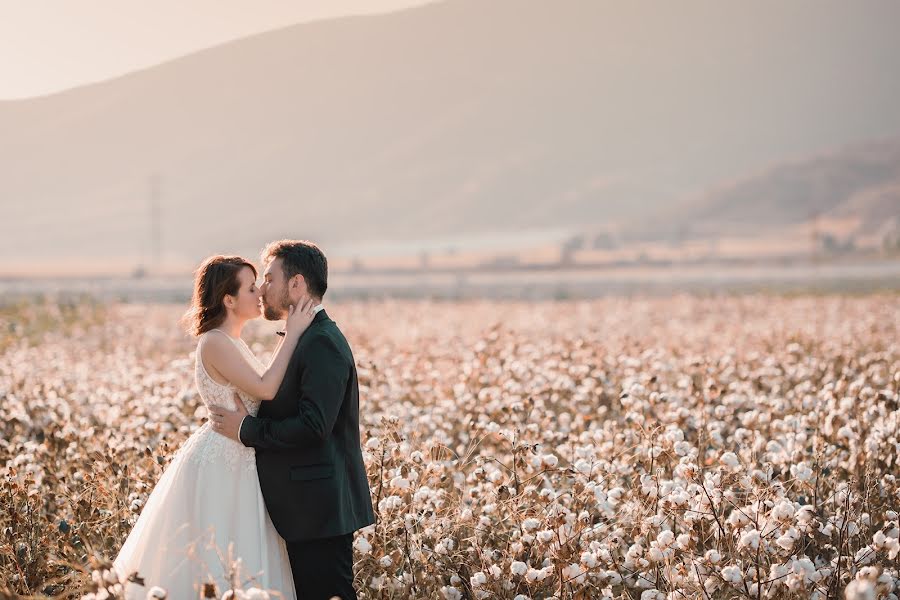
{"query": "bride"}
[(206, 513)]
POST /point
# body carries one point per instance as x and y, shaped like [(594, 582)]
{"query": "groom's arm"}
[(322, 388)]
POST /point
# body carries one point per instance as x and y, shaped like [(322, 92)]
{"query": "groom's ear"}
[(297, 283)]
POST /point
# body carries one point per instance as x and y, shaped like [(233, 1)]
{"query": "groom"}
[(308, 453)]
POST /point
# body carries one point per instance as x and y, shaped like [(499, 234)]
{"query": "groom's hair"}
[(299, 257)]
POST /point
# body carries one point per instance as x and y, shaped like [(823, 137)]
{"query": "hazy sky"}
[(50, 45)]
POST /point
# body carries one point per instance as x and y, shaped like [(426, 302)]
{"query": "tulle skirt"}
[(206, 521)]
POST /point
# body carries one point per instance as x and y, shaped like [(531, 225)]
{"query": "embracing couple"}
[(274, 483)]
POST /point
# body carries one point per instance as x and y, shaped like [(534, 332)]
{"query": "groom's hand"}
[(228, 422)]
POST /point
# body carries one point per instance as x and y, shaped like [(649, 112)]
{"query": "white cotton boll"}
[(864, 555), (156, 593), (535, 575), (730, 460), (530, 524), (783, 511), (614, 496), (786, 541), (870, 573), (390, 503), (495, 571), (545, 536), (372, 443), (806, 514), (649, 486), (713, 556), (655, 555), (737, 518), (518, 568), (684, 541), (478, 579), (860, 589), (550, 460), (682, 448), (612, 577), (451, 593), (805, 568), (731, 574), (750, 539), (588, 559), (665, 538), (583, 467), (574, 573), (893, 548), (522, 597), (385, 561), (802, 471), (399, 483), (652, 595), (256, 594)]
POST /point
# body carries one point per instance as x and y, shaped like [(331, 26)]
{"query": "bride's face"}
[(246, 304)]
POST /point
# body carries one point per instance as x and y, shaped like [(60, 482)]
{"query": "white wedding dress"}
[(206, 500)]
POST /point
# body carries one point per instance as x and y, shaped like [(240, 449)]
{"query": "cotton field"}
[(653, 448)]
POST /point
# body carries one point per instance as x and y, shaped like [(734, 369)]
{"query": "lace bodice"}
[(205, 446), (214, 393)]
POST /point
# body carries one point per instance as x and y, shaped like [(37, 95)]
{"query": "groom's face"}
[(275, 294)]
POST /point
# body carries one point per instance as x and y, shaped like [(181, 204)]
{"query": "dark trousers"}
[(323, 568)]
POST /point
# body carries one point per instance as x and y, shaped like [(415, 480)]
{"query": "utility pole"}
[(155, 220)]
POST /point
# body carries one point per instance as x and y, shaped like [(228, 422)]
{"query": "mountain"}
[(857, 185), (448, 119)]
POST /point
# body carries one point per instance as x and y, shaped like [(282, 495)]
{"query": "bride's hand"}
[(299, 319)]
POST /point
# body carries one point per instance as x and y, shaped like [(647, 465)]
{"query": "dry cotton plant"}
[(652, 448)]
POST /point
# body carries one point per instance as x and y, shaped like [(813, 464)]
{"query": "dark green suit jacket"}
[(308, 452)]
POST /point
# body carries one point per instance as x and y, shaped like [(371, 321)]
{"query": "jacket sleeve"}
[(323, 384)]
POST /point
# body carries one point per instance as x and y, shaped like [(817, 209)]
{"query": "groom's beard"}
[(277, 313)]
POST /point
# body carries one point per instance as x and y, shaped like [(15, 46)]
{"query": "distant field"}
[(652, 447), (407, 280)]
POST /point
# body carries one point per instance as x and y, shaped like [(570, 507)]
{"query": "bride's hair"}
[(216, 277)]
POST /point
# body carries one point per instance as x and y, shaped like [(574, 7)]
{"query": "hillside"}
[(448, 119)]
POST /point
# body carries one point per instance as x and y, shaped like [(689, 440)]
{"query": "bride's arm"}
[(225, 358), (323, 390)]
